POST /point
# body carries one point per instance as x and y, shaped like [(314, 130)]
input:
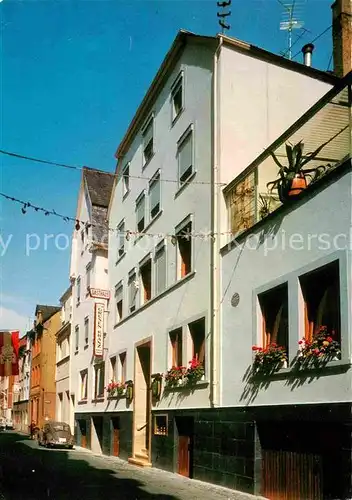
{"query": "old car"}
[(56, 434)]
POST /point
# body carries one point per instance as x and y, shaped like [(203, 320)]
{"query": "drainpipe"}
[(215, 396)]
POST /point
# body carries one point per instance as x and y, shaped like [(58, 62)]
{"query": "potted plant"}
[(269, 359), (293, 178), (323, 347), (116, 389), (264, 208), (195, 371), (175, 376)]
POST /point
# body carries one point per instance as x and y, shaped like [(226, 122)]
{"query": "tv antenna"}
[(289, 23), (224, 14)]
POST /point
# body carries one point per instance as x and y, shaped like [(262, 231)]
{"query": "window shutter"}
[(154, 193), (185, 155), (118, 294), (140, 209), (148, 133), (161, 270)]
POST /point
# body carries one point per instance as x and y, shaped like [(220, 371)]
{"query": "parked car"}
[(56, 434), (9, 424)]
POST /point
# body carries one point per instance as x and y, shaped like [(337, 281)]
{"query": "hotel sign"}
[(99, 294), (99, 330)]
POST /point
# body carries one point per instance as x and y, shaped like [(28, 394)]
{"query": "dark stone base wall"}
[(125, 431)]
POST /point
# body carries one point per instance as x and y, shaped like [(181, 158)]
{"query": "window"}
[(140, 212), (154, 196), (84, 384), (185, 158), (123, 367), (184, 250), (148, 149), (321, 293), (160, 269), (126, 180), (177, 98), (88, 273), (274, 308), (113, 368), (197, 331), (86, 330), (146, 278), (176, 347), (119, 303), (77, 338), (99, 380), (78, 291), (132, 291), (120, 239)]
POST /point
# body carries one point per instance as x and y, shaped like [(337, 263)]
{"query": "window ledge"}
[(63, 360), (125, 195), (148, 161), (82, 402), (176, 118), (172, 287), (340, 365), (201, 384), (186, 183), (120, 258), (148, 226), (99, 399), (122, 396)]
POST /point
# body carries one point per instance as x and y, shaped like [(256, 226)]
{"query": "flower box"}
[(321, 349), (195, 373), (175, 376), (116, 389), (269, 359)]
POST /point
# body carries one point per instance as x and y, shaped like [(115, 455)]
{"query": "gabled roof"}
[(99, 185), (47, 311)]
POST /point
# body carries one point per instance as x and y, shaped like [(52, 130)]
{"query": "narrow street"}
[(32, 473)]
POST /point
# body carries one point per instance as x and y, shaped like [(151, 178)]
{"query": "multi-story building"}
[(64, 399), (42, 395), (214, 105), (286, 288), (89, 276), (21, 387), (6, 398)]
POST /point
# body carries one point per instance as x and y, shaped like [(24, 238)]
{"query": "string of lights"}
[(79, 168), (79, 224)]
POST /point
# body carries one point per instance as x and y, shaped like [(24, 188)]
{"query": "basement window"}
[(274, 309), (321, 293), (160, 425)]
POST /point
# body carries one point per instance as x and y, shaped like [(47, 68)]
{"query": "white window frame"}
[(176, 86), (118, 287), (149, 122), (155, 179), (121, 240), (126, 180), (160, 246), (141, 198), (188, 134)]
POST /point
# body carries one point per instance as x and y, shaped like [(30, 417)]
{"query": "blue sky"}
[(72, 76)]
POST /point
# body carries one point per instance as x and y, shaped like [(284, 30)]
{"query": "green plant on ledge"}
[(175, 376), (116, 389), (269, 359), (195, 372), (322, 348)]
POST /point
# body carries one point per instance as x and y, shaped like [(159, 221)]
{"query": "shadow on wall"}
[(295, 376), (38, 474)]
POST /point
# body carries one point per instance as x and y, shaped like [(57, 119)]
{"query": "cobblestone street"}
[(32, 473)]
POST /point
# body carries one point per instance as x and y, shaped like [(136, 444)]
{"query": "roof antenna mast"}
[(290, 23), (224, 14)]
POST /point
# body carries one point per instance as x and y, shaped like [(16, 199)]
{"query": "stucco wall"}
[(274, 254)]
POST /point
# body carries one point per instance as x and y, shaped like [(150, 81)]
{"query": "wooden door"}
[(291, 476), (184, 449), (115, 442)]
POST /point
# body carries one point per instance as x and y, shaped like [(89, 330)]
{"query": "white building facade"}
[(214, 105), (64, 401), (89, 278)]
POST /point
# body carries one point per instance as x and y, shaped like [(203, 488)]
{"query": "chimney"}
[(307, 54), (342, 36)]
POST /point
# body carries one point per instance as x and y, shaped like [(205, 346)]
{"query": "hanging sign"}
[(99, 330), (99, 294)]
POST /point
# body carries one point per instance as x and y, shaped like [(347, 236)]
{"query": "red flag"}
[(9, 347)]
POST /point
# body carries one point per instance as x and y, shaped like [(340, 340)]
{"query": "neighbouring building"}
[(214, 105), (285, 428), (42, 337), (6, 398), (90, 294), (21, 387), (64, 398)]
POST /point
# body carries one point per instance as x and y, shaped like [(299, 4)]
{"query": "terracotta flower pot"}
[(298, 185)]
